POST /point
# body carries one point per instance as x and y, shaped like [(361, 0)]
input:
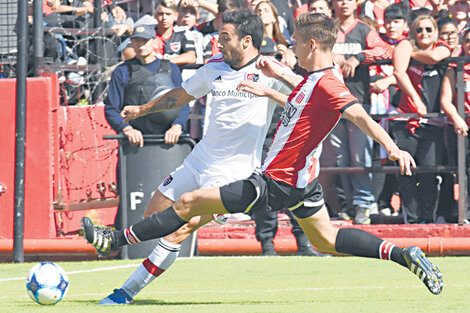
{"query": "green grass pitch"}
[(252, 284)]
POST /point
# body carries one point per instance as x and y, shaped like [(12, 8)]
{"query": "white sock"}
[(161, 258)]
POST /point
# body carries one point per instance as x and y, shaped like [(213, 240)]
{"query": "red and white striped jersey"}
[(311, 112)]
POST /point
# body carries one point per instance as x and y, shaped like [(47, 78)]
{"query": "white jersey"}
[(237, 123)]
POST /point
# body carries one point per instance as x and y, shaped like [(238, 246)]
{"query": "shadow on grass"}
[(156, 302)]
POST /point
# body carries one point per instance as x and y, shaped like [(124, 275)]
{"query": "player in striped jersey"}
[(288, 176)]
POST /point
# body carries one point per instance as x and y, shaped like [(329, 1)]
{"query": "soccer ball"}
[(47, 283)]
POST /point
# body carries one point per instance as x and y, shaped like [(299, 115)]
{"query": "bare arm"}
[(431, 56), (261, 91), (175, 98), (188, 57), (272, 69), (447, 105), (401, 61), (356, 114)]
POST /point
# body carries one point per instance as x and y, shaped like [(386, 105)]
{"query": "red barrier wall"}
[(66, 158), (42, 103)]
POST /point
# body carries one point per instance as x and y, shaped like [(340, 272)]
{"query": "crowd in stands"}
[(416, 35)]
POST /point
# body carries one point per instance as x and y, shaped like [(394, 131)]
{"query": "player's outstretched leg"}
[(420, 265)]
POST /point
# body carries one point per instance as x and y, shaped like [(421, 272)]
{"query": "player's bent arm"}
[(356, 114), (291, 80), (175, 98), (277, 96), (261, 91)]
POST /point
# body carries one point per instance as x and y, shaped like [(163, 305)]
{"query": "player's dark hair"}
[(396, 11), (319, 27), (226, 5), (247, 23)]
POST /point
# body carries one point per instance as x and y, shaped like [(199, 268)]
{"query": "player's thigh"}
[(186, 230), (176, 184), (199, 202), (319, 230)]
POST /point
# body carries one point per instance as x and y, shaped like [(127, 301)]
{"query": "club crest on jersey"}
[(167, 180), (175, 46), (252, 77), (288, 114), (300, 97)]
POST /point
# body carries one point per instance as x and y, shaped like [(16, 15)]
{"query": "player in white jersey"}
[(231, 147), (312, 110)]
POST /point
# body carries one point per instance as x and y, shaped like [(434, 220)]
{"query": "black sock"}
[(361, 243), (155, 226)]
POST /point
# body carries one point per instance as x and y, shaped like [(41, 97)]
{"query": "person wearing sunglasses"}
[(423, 137), (459, 125)]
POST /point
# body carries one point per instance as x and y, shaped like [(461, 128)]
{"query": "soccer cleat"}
[(419, 264), (118, 297), (100, 237), (220, 218)]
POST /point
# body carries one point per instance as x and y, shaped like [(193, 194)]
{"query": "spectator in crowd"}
[(458, 124), (170, 44), (375, 9), (272, 29), (413, 5), (385, 97), (459, 11), (187, 18), (320, 6), (356, 45), (449, 33), (423, 138), (210, 29), (138, 81)]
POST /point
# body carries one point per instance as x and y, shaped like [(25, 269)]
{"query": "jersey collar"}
[(321, 70), (247, 64)]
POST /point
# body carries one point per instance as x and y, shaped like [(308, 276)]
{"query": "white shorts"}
[(186, 179)]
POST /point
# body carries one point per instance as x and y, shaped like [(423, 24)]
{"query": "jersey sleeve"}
[(198, 85), (337, 96)]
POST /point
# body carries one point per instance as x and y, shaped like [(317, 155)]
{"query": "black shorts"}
[(259, 192)]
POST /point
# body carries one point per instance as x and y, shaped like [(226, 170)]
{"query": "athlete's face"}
[(166, 17), (301, 48), (230, 45)]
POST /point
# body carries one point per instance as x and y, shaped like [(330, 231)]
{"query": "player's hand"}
[(173, 134), (269, 67), (254, 88), (349, 66), (130, 112), (288, 56), (134, 136), (405, 160)]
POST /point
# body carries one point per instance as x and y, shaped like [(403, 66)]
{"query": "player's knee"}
[(184, 204)]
